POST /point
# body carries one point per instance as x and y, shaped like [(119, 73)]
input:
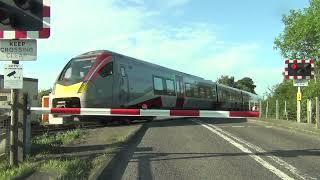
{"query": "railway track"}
[(52, 129)]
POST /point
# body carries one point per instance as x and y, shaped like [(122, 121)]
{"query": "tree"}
[(226, 80), (246, 84), (301, 35)]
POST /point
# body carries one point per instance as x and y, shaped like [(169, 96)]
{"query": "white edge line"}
[(279, 161), (264, 163)]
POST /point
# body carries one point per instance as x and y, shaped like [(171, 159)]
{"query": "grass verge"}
[(42, 146), (76, 154), (291, 125)]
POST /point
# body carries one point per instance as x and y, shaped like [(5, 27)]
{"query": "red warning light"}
[(294, 66)]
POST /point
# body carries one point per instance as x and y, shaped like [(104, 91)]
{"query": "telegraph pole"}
[(14, 125)]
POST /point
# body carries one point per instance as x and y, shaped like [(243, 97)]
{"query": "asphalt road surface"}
[(209, 148)]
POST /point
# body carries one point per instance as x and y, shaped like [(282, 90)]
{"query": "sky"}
[(207, 38)]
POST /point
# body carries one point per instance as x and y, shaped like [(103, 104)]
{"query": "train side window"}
[(170, 86), (123, 72), (106, 70), (188, 89), (158, 84)]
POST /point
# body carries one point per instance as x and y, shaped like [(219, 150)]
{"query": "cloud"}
[(175, 3), (192, 47)]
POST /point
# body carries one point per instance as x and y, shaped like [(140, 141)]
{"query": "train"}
[(105, 79)]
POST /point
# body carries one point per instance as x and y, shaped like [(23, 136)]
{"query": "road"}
[(197, 148)]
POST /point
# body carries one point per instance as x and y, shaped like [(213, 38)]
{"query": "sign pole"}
[(299, 105), (14, 125)]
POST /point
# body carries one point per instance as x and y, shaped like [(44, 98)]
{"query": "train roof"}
[(97, 52)]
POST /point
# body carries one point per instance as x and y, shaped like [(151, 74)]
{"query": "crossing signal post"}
[(24, 19), (300, 71), (29, 20)]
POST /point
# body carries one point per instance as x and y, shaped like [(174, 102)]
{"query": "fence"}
[(287, 110), (4, 136)]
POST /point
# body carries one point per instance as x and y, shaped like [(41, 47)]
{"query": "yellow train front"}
[(86, 81)]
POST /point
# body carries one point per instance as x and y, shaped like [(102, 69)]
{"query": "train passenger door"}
[(123, 86), (180, 92)]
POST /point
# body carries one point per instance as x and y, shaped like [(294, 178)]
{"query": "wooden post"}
[(26, 126), (277, 109), (285, 110), (260, 109), (14, 125), (267, 110), (309, 111), (14, 128), (317, 113), (23, 128)]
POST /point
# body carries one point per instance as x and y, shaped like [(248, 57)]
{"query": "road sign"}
[(24, 19), (300, 82), (20, 50), (299, 96), (13, 76)]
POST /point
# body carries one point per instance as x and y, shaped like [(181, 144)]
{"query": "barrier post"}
[(299, 105)]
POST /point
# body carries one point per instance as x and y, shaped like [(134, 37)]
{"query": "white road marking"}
[(279, 161), (238, 126), (264, 163)]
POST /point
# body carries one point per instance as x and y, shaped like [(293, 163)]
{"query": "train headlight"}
[(83, 87)]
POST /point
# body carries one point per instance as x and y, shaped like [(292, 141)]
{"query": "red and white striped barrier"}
[(144, 112)]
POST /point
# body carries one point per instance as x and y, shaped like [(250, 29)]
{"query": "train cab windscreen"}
[(75, 71)]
